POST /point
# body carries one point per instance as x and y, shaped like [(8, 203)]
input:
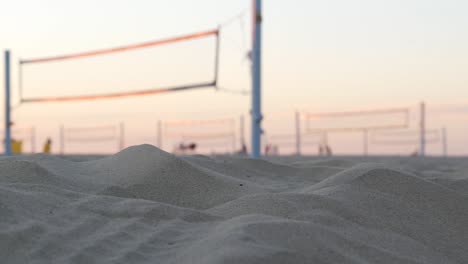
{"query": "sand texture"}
[(143, 205)]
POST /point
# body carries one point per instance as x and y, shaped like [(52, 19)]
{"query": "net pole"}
[(444, 141), (256, 80), (233, 143), (159, 134), (365, 133), (7, 104), (122, 136), (216, 73), (241, 132), (165, 133), (33, 140), (422, 146), (233, 133), (62, 139), (298, 133), (20, 81)]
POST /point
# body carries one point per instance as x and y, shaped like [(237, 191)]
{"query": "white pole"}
[(20, 81), (241, 132), (256, 80), (422, 147), (366, 141), (233, 133), (122, 136), (62, 139), (218, 39), (298, 133), (7, 104), (444, 141), (33, 140), (159, 134)]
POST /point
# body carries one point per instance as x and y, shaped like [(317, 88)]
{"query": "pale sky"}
[(333, 55)]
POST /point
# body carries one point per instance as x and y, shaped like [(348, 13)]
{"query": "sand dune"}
[(143, 205)]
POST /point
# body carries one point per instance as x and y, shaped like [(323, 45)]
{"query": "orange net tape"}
[(121, 48)]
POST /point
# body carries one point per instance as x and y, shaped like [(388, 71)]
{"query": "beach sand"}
[(143, 205)]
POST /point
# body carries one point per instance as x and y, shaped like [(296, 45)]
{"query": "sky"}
[(318, 56)]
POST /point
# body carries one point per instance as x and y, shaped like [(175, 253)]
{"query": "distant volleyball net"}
[(167, 65), (308, 132), (377, 119), (211, 136), (355, 122), (405, 137), (285, 135), (410, 138), (94, 138)]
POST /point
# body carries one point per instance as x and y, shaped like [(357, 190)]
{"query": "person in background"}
[(243, 150), (184, 148), (192, 146), (325, 150), (267, 149), (320, 150), (328, 150), (47, 146)]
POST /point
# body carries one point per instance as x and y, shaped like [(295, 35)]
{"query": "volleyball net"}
[(58, 78), (346, 123), (404, 137), (285, 135), (72, 138), (210, 135), (410, 139), (377, 119), (309, 131)]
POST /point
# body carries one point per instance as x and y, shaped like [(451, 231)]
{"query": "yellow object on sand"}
[(16, 146), (47, 147)]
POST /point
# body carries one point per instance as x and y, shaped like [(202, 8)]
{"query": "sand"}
[(143, 205)]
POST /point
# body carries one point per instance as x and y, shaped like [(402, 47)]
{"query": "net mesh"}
[(357, 120), (77, 76), (404, 137), (101, 137)]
